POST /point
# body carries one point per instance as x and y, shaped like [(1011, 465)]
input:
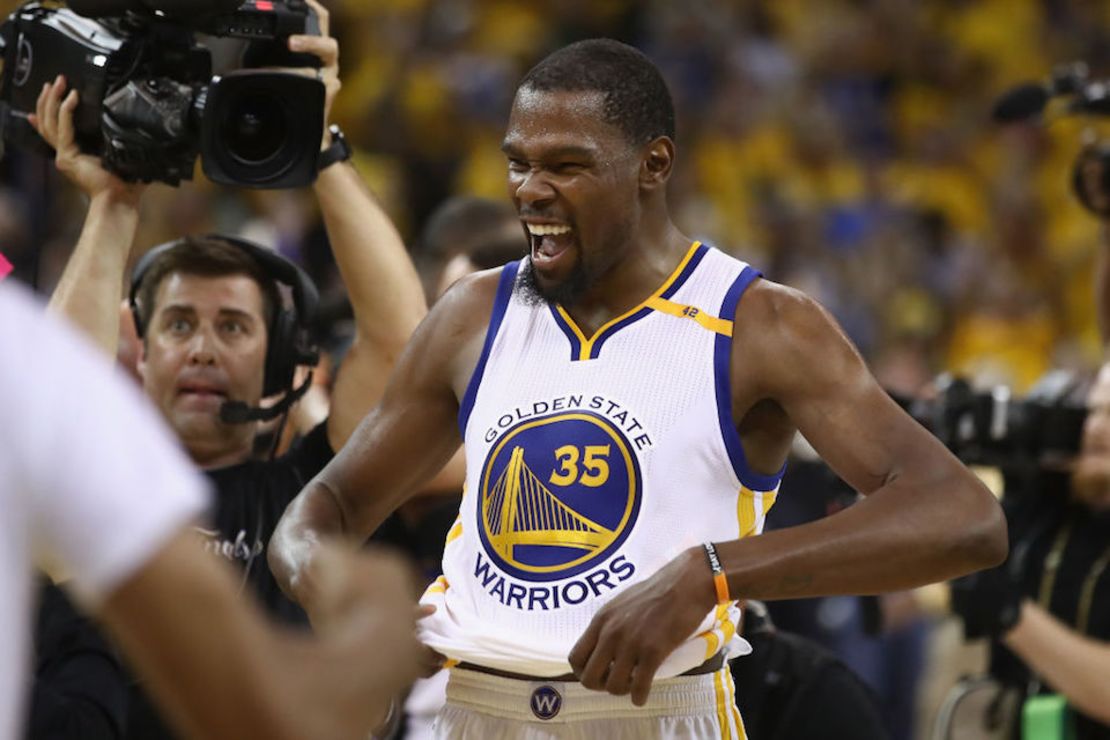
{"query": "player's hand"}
[(327, 49), (431, 661), (53, 119), (632, 635)]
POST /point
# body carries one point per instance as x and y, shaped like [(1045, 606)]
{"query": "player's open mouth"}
[(549, 243)]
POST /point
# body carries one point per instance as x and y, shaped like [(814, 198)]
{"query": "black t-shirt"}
[(1065, 571), (80, 689), (250, 499)]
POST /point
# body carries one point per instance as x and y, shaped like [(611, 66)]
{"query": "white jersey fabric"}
[(90, 480), (592, 462)]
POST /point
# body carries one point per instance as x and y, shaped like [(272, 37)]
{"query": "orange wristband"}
[(720, 582)]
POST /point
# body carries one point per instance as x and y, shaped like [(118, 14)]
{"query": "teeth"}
[(547, 229)]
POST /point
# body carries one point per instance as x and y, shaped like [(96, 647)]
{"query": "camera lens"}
[(255, 128), (261, 128)]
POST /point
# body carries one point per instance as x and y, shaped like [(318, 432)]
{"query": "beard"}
[(564, 293)]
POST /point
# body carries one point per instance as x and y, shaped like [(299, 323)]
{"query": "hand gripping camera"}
[(149, 104)]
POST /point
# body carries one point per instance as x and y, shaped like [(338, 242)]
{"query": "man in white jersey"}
[(627, 397), (112, 510)]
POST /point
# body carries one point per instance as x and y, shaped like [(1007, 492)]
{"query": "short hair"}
[(637, 100), (472, 226), (465, 223), (205, 256)]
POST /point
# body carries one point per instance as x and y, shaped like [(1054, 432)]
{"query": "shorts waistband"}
[(566, 701), (712, 665)]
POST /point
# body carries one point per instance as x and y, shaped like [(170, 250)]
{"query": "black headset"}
[(289, 343)]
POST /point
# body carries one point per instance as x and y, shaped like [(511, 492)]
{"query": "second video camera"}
[(993, 428), (149, 104)]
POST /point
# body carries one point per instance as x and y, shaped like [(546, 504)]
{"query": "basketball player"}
[(627, 397)]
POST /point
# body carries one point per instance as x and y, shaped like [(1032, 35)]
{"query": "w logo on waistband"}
[(559, 493), (546, 702)]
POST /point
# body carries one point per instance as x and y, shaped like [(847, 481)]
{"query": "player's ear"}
[(656, 162)]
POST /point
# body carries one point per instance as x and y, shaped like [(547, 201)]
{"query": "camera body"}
[(1058, 545), (1020, 436), (149, 104)]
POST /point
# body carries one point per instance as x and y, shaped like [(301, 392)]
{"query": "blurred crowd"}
[(845, 149)]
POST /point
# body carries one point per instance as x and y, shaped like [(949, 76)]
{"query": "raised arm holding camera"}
[(207, 306), (217, 334)]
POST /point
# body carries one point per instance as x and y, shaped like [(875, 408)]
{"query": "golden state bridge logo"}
[(560, 493)]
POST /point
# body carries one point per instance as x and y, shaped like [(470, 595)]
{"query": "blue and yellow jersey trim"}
[(722, 356), (752, 508), (720, 633), (589, 348), (500, 304)]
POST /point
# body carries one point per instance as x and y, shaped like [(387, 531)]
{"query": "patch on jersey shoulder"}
[(560, 493)]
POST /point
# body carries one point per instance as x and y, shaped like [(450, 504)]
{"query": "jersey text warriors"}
[(591, 463)]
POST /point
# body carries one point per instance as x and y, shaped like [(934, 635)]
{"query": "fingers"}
[(325, 48), (580, 653), (65, 121), (46, 111), (618, 666), (430, 662), (323, 16), (619, 680), (644, 674), (596, 672), (53, 117), (618, 660)]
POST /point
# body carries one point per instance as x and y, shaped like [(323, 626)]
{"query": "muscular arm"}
[(926, 518), (1073, 664), (398, 447)]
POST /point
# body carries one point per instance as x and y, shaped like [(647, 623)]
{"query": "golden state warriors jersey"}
[(592, 462)]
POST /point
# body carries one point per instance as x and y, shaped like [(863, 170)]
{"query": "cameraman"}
[(1062, 630), (1050, 603), (205, 339)]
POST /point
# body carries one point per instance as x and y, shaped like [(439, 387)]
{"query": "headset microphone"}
[(237, 412)]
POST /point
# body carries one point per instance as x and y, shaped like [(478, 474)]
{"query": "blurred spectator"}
[(825, 147)]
